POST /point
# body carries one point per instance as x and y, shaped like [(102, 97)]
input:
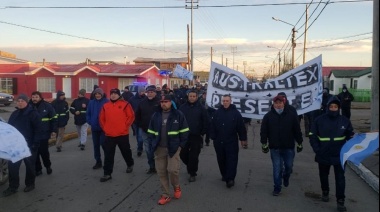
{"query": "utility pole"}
[(222, 60), (192, 31), (233, 49), (304, 37), (293, 45), (244, 64), (211, 53), (279, 63), (375, 69), (226, 62), (188, 47)]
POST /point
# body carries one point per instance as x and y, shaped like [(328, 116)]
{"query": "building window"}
[(331, 86), (355, 84), (6, 85), (125, 82), (88, 84), (46, 84)]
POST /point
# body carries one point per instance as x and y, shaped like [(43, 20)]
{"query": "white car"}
[(6, 99)]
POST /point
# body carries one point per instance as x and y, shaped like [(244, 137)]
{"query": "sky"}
[(238, 31)]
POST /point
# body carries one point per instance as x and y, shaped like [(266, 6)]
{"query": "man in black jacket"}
[(346, 98), (48, 130), (143, 114), (279, 129), (28, 122), (61, 108), (197, 119), (78, 108), (227, 127)]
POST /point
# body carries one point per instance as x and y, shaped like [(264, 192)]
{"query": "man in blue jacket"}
[(227, 127), (92, 117), (49, 129), (279, 129), (168, 133), (28, 122), (329, 133), (61, 108)]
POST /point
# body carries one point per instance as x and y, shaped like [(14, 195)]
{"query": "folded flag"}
[(182, 73), (359, 147)]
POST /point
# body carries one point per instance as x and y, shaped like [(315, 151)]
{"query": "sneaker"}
[(129, 169), (38, 173), (105, 178), (9, 191), (163, 200), (139, 154), (276, 192), (49, 170), (29, 188), (82, 147), (59, 150), (97, 166), (151, 171), (192, 179), (325, 196), (177, 192), (230, 183)]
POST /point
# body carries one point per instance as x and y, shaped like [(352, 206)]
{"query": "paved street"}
[(74, 186)]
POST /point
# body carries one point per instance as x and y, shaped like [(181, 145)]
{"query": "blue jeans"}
[(282, 160), (138, 138), (148, 148), (98, 138)]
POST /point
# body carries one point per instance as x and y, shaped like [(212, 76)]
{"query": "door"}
[(66, 87)]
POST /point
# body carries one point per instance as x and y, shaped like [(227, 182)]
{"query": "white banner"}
[(303, 87), (182, 73)]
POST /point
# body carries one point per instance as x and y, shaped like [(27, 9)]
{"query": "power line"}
[(179, 7), (340, 43)]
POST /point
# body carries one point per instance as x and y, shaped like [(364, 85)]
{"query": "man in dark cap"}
[(116, 117), (61, 108), (78, 108), (144, 112), (168, 133), (127, 94), (280, 129), (345, 98), (28, 122)]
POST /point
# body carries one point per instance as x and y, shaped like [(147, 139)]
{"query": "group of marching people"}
[(172, 125)]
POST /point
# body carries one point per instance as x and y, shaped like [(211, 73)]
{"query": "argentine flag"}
[(359, 147)]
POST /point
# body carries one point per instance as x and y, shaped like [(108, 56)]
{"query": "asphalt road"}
[(74, 185)]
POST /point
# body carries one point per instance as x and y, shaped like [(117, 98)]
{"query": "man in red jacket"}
[(116, 117)]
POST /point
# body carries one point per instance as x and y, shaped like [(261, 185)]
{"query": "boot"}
[(325, 196), (340, 205)]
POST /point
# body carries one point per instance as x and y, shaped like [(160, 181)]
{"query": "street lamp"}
[(293, 37), (279, 58)]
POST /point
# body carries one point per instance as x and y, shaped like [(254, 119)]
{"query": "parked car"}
[(6, 99)]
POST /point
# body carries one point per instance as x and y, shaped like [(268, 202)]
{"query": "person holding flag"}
[(328, 134)]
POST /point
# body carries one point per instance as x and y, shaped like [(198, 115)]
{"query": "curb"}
[(371, 179)]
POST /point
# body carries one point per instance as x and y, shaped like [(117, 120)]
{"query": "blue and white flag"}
[(359, 147), (13, 146), (182, 73)]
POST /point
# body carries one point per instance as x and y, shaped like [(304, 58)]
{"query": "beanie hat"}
[(140, 89), (23, 97), (333, 100), (82, 92), (99, 91), (151, 88), (60, 93), (116, 91), (166, 97)]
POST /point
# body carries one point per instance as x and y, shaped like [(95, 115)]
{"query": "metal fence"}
[(360, 95)]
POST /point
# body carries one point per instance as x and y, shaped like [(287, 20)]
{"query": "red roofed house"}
[(49, 78)]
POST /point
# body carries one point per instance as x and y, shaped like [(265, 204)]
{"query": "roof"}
[(166, 60), (326, 70), (350, 73), (105, 70)]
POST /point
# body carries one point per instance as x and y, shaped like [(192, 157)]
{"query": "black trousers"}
[(190, 153), (14, 168), (43, 151), (227, 155), (340, 180), (346, 112), (109, 152)]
